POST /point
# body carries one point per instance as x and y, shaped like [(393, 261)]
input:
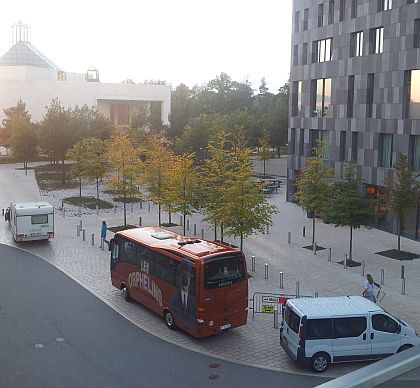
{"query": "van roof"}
[(29, 208), (333, 306)]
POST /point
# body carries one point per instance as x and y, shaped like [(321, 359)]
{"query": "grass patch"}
[(88, 202), (403, 255), (116, 229), (50, 176)]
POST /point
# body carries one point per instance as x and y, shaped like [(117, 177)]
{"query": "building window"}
[(369, 94), (305, 18), (297, 16), (322, 50), (301, 142), (295, 54), (92, 75), (321, 97), (297, 98), (342, 10), (376, 40), (320, 15), (292, 141), (415, 152), (416, 38), (353, 9), (385, 150), (331, 12), (384, 5), (313, 140), (412, 1), (61, 76), (350, 96), (342, 154), (305, 54), (412, 94), (356, 44), (324, 137), (354, 145)]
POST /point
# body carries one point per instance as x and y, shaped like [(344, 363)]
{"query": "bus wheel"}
[(169, 319), (320, 362), (126, 295)]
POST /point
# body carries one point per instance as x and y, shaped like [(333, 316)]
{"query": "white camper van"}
[(31, 220), (320, 331)]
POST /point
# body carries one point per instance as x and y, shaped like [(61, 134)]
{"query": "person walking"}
[(370, 285), (103, 233)]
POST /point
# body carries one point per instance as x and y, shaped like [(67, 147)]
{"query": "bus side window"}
[(143, 258), (130, 252), (115, 252)]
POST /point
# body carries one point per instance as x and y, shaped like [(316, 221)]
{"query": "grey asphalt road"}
[(54, 333)]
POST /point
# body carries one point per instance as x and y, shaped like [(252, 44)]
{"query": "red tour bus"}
[(195, 284)]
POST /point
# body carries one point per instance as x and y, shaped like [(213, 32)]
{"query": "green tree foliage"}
[(313, 186), (183, 185), (347, 206), (401, 191), (77, 155), (245, 209), (156, 172), (21, 133), (264, 151), (180, 110), (124, 159)]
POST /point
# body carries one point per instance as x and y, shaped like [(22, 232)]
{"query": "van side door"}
[(384, 337), (350, 338)]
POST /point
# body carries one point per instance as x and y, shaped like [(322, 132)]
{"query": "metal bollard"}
[(2, 211), (195, 229), (281, 279), (141, 205), (403, 286), (289, 237), (80, 225), (188, 224), (97, 210), (316, 295), (402, 271), (276, 317), (115, 208), (363, 268), (265, 271), (202, 233), (303, 232), (253, 263), (84, 234), (267, 229), (345, 261), (297, 289), (382, 276), (314, 247), (140, 221), (93, 239), (149, 206), (78, 230), (329, 255)]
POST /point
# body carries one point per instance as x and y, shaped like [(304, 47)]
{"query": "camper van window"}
[(39, 219), (381, 322), (319, 329), (349, 327)]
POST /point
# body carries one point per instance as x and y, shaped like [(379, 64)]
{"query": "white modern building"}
[(27, 74)]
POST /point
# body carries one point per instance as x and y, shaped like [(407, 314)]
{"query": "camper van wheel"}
[(126, 295), (320, 362), (404, 347), (169, 319)]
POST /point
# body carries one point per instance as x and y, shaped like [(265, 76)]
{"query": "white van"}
[(319, 331), (30, 220)]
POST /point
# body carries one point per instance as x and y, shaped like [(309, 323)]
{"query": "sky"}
[(180, 41)]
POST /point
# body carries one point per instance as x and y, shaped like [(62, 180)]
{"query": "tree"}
[(278, 118), (183, 185), (124, 158), (401, 191), (263, 86), (313, 186), (96, 162), (348, 207), (180, 110), (156, 172), (246, 209), (264, 152), (77, 155)]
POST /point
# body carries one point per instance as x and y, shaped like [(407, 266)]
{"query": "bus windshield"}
[(223, 271)]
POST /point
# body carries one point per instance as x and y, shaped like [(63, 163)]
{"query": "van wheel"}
[(404, 347), (320, 362), (126, 294), (169, 319)]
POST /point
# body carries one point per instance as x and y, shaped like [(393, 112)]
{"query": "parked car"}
[(320, 331)]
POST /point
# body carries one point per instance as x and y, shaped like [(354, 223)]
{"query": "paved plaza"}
[(258, 342)]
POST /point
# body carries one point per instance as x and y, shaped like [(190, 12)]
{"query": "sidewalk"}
[(258, 342)]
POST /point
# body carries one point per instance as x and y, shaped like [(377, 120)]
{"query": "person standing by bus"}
[(370, 285), (103, 233)]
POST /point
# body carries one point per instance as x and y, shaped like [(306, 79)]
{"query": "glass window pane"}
[(328, 49), (319, 329), (327, 98), (319, 91), (349, 327), (299, 97), (415, 94)]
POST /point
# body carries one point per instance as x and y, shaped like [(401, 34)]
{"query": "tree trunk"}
[(160, 222), (221, 233), (97, 190), (80, 187), (215, 231), (351, 244), (170, 218), (399, 235), (185, 217), (242, 240), (264, 166), (313, 227), (125, 213)]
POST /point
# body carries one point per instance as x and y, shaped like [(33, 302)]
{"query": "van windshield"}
[(292, 319)]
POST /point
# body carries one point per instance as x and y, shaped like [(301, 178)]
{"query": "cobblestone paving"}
[(258, 342)]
